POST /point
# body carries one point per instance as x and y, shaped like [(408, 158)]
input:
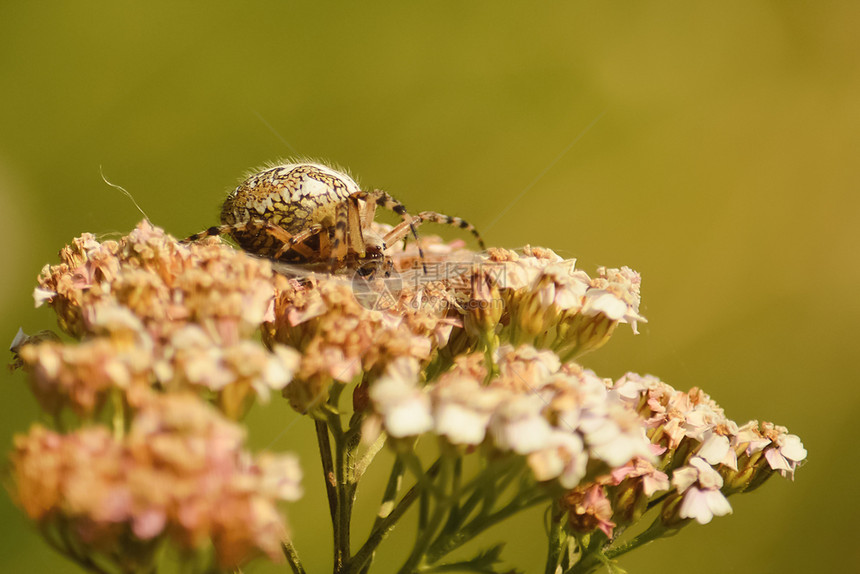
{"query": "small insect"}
[(309, 213)]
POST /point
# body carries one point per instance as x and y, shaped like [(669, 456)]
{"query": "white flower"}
[(716, 449), (404, 407), (703, 505), (525, 366), (463, 408), (563, 457), (114, 318), (789, 452), (42, 296), (615, 294), (700, 484), (605, 302), (699, 421), (629, 388), (749, 435), (614, 436), (518, 425), (280, 368)]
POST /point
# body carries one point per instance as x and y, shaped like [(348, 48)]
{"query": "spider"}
[(309, 213)]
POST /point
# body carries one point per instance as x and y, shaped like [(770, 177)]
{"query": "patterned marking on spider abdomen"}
[(292, 197)]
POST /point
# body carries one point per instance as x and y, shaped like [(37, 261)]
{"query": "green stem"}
[(490, 342), (653, 532), (495, 477), (364, 557), (426, 534), (591, 553), (449, 541), (390, 495), (328, 466), (364, 462), (454, 514), (413, 463), (383, 525), (292, 557), (555, 538), (436, 367), (656, 501), (344, 491), (66, 547), (423, 542)]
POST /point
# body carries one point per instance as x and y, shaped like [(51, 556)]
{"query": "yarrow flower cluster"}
[(466, 358), (161, 331), (146, 306), (178, 473)]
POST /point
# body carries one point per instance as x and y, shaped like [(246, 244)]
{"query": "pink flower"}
[(589, 509)]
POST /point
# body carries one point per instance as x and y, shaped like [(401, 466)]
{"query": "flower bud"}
[(588, 510), (484, 308)]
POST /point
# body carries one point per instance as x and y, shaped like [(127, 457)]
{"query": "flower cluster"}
[(463, 302), (338, 338), (179, 473), (554, 305), (161, 329), (560, 420), (693, 432), (470, 352), (707, 455), (166, 285), (151, 311)]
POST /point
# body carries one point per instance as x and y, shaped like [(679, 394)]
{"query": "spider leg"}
[(260, 226), (355, 226), (325, 246), (385, 201), (400, 231), (215, 230), (296, 242), (369, 213), (339, 246)]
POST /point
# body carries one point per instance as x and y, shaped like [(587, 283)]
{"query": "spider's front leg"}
[(400, 231), (356, 224), (382, 199)]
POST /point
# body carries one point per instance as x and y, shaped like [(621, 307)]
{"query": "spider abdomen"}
[(292, 197)]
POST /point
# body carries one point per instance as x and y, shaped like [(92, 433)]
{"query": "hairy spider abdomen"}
[(292, 197)]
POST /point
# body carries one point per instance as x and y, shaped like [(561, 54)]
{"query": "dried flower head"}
[(165, 284)]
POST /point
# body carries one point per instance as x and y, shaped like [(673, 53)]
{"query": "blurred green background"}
[(721, 162)]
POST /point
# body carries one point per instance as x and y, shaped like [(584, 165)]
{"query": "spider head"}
[(374, 264)]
